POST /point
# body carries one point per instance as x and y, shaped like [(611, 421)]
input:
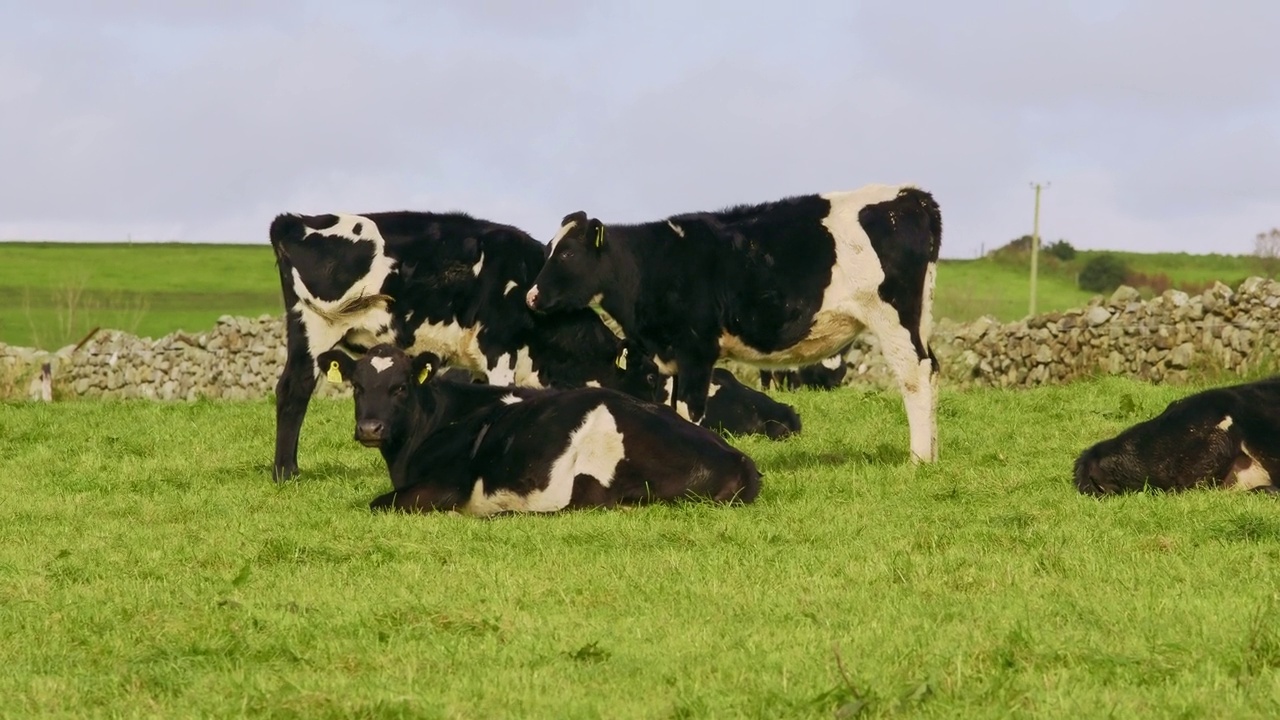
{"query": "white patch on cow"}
[(455, 345), (676, 228), (850, 302), (507, 370), (682, 407), (593, 383), (510, 399), (595, 448), (532, 296), (666, 367), (511, 285), (475, 269), (1226, 423), (1254, 476), (833, 362), (326, 327), (381, 363), (564, 230)]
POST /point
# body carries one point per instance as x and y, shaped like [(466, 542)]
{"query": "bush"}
[(1062, 250), (1103, 273)]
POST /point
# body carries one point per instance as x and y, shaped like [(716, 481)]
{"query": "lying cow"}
[(732, 408), (1225, 437), (774, 285), (444, 283), (826, 375), (481, 449)]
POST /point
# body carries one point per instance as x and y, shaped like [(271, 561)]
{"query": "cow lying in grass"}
[(1226, 437), (482, 449), (732, 408)]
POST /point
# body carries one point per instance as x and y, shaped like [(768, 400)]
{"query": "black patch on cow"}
[(319, 222), (905, 240), (328, 264), (787, 256), (357, 228)]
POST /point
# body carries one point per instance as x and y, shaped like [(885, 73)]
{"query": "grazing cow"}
[(481, 449), (826, 375), (1225, 437), (775, 285), (445, 283)]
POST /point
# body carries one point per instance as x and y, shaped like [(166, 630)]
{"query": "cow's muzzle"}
[(371, 433)]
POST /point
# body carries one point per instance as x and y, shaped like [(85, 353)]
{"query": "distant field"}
[(149, 566), (51, 294)]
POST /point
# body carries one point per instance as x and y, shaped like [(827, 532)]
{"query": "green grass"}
[(148, 566), (51, 294)]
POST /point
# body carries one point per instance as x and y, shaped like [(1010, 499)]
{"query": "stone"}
[(1097, 315)]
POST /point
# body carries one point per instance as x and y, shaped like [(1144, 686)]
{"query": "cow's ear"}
[(596, 233), (336, 365), (425, 366)]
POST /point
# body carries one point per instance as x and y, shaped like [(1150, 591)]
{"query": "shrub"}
[(1062, 250), (1103, 273)]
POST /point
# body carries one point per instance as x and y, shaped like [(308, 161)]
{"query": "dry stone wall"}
[(1171, 338)]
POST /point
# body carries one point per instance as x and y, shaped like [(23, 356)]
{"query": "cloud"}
[(1155, 121)]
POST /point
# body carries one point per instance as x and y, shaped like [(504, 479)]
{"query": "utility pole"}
[(1035, 246)]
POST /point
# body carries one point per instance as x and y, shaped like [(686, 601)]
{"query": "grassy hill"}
[(51, 294)]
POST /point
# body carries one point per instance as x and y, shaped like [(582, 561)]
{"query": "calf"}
[(481, 449), (1223, 437), (775, 285)]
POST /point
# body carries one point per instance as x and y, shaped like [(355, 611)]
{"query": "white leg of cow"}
[(916, 381)]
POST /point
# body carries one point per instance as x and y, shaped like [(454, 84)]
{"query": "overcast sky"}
[(1156, 122)]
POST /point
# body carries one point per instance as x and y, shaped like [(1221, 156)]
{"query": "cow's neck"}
[(621, 293)]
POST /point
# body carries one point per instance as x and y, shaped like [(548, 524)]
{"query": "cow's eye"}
[(398, 390)]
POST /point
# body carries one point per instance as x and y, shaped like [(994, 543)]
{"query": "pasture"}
[(51, 294), (151, 567)]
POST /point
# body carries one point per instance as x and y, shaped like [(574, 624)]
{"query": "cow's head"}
[(1186, 446), (573, 272), (1110, 467), (383, 382)]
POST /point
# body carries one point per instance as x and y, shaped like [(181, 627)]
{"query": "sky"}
[(1155, 124)]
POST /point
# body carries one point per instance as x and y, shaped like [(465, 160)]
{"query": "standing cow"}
[(775, 285), (445, 283), (481, 449), (1225, 437)]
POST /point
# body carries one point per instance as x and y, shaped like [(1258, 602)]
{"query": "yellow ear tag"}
[(334, 375), (621, 362), (422, 374), (599, 235)]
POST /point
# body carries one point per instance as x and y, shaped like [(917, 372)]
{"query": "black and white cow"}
[(1226, 437), (775, 285), (445, 283), (732, 408), (481, 449)]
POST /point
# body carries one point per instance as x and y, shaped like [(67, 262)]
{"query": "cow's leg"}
[(693, 382), (293, 395), (916, 370)]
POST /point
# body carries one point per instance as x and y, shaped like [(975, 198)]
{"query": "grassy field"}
[(150, 567), (51, 294)]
